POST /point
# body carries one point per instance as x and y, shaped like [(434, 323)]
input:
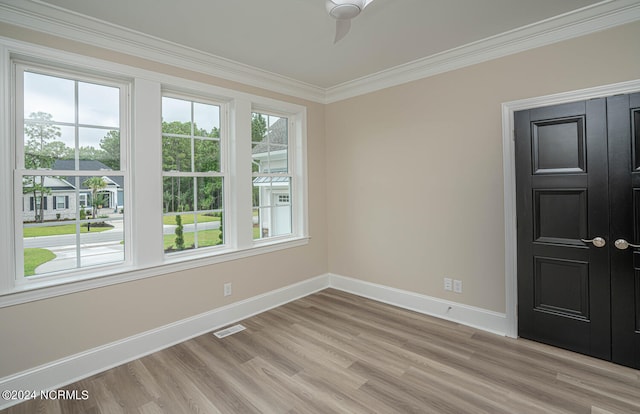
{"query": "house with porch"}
[(112, 195), (63, 195)]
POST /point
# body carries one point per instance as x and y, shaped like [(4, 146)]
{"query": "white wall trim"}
[(45, 18), (508, 158), (67, 370), (475, 317)]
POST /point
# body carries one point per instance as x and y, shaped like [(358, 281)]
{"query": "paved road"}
[(97, 247), (95, 254), (113, 235)]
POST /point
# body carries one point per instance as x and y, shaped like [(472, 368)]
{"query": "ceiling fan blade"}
[(366, 3), (342, 28)]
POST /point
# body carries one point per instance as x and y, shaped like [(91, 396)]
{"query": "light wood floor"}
[(333, 352)]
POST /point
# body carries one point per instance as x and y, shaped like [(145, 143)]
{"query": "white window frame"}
[(145, 185), (19, 67)]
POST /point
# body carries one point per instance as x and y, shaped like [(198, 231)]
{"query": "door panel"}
[(562, 287), (561, 176), (558, 146), (560, 216), (624, 181)]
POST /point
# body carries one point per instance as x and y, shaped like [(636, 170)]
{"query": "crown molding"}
[(38, 16), (52, 20), (591, 19)]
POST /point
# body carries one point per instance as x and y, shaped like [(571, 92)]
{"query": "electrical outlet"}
[(227, 289), (457, 286), (448, 283)]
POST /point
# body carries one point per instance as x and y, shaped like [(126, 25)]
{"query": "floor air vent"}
[(229, 331)]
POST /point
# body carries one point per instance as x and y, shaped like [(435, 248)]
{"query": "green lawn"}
[(58, 230), (34, 258), (189, 219), (205, 238)]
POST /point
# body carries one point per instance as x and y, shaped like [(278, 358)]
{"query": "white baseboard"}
[(483, 319), (57, 374)]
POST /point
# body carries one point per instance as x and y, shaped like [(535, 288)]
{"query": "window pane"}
[(104, 193), (103, 243), (196, 230), (256, 224), (101, 146), (209, 193), (176, 154), (44, 143), (272, 206), (47, 259), (110, 149), (266, 190), (281, 220), (49, 95), (207, 155), (206, 119), (189, 231), (98, 105), (258, 127), (207, 237), (270, 138), (178, 194), (176, 113), (53, 207)]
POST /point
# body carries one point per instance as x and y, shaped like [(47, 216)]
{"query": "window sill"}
[(44, 289)]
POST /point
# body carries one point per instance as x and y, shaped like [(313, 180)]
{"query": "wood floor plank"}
[(333, 352)]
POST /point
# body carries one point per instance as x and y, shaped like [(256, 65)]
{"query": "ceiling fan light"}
[(345, 11)]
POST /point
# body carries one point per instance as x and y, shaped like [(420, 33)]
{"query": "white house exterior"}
[(272, 157), (112, 195), (61, 199), (59, 202)]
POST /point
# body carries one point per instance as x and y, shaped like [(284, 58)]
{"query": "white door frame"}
[(508, 159)]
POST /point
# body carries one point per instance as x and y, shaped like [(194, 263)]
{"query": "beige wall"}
[(414, 176), (39, 332)]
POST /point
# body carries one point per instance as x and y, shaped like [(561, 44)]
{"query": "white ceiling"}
[(294, 38), (286, 46)]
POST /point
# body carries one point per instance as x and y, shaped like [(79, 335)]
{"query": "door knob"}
[(622, 244), (596, 241)]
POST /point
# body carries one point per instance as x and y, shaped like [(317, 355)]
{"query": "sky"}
[(98, 108)]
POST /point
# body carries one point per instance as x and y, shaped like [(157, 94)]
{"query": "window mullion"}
[(146, 183), (240, 173), (77, 167), (13, 155)]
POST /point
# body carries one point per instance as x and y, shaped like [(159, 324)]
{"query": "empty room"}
[(320, 206)]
